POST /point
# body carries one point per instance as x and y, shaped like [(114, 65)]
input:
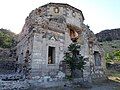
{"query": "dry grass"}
[(114, 75), (116, 79)]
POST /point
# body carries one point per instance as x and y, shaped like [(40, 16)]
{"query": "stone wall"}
[(57, 26)]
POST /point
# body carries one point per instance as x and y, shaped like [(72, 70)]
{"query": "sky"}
[(99, 14)]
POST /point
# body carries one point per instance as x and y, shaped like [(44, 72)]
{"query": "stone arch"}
[(73, 33)]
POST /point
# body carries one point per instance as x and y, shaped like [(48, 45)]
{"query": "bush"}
[(74, 59), (6, 38)]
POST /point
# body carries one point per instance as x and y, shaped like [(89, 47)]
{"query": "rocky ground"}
[(107, 85)]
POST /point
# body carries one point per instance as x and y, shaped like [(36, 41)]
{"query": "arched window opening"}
[(73, 34)]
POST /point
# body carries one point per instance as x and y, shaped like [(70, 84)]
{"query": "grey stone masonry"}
[(45, 37)]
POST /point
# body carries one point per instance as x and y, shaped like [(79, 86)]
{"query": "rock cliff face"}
[(8, 42), (109, 35)]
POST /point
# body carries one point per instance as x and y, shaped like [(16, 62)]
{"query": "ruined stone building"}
[(45, 37)]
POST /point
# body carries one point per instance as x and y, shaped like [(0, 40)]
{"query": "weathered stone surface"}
[(45, 37)]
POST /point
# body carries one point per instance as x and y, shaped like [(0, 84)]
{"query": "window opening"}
[(97, 58), (51, 55), (27, 56)]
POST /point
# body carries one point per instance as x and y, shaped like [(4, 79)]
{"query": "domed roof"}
[(59, 13)]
